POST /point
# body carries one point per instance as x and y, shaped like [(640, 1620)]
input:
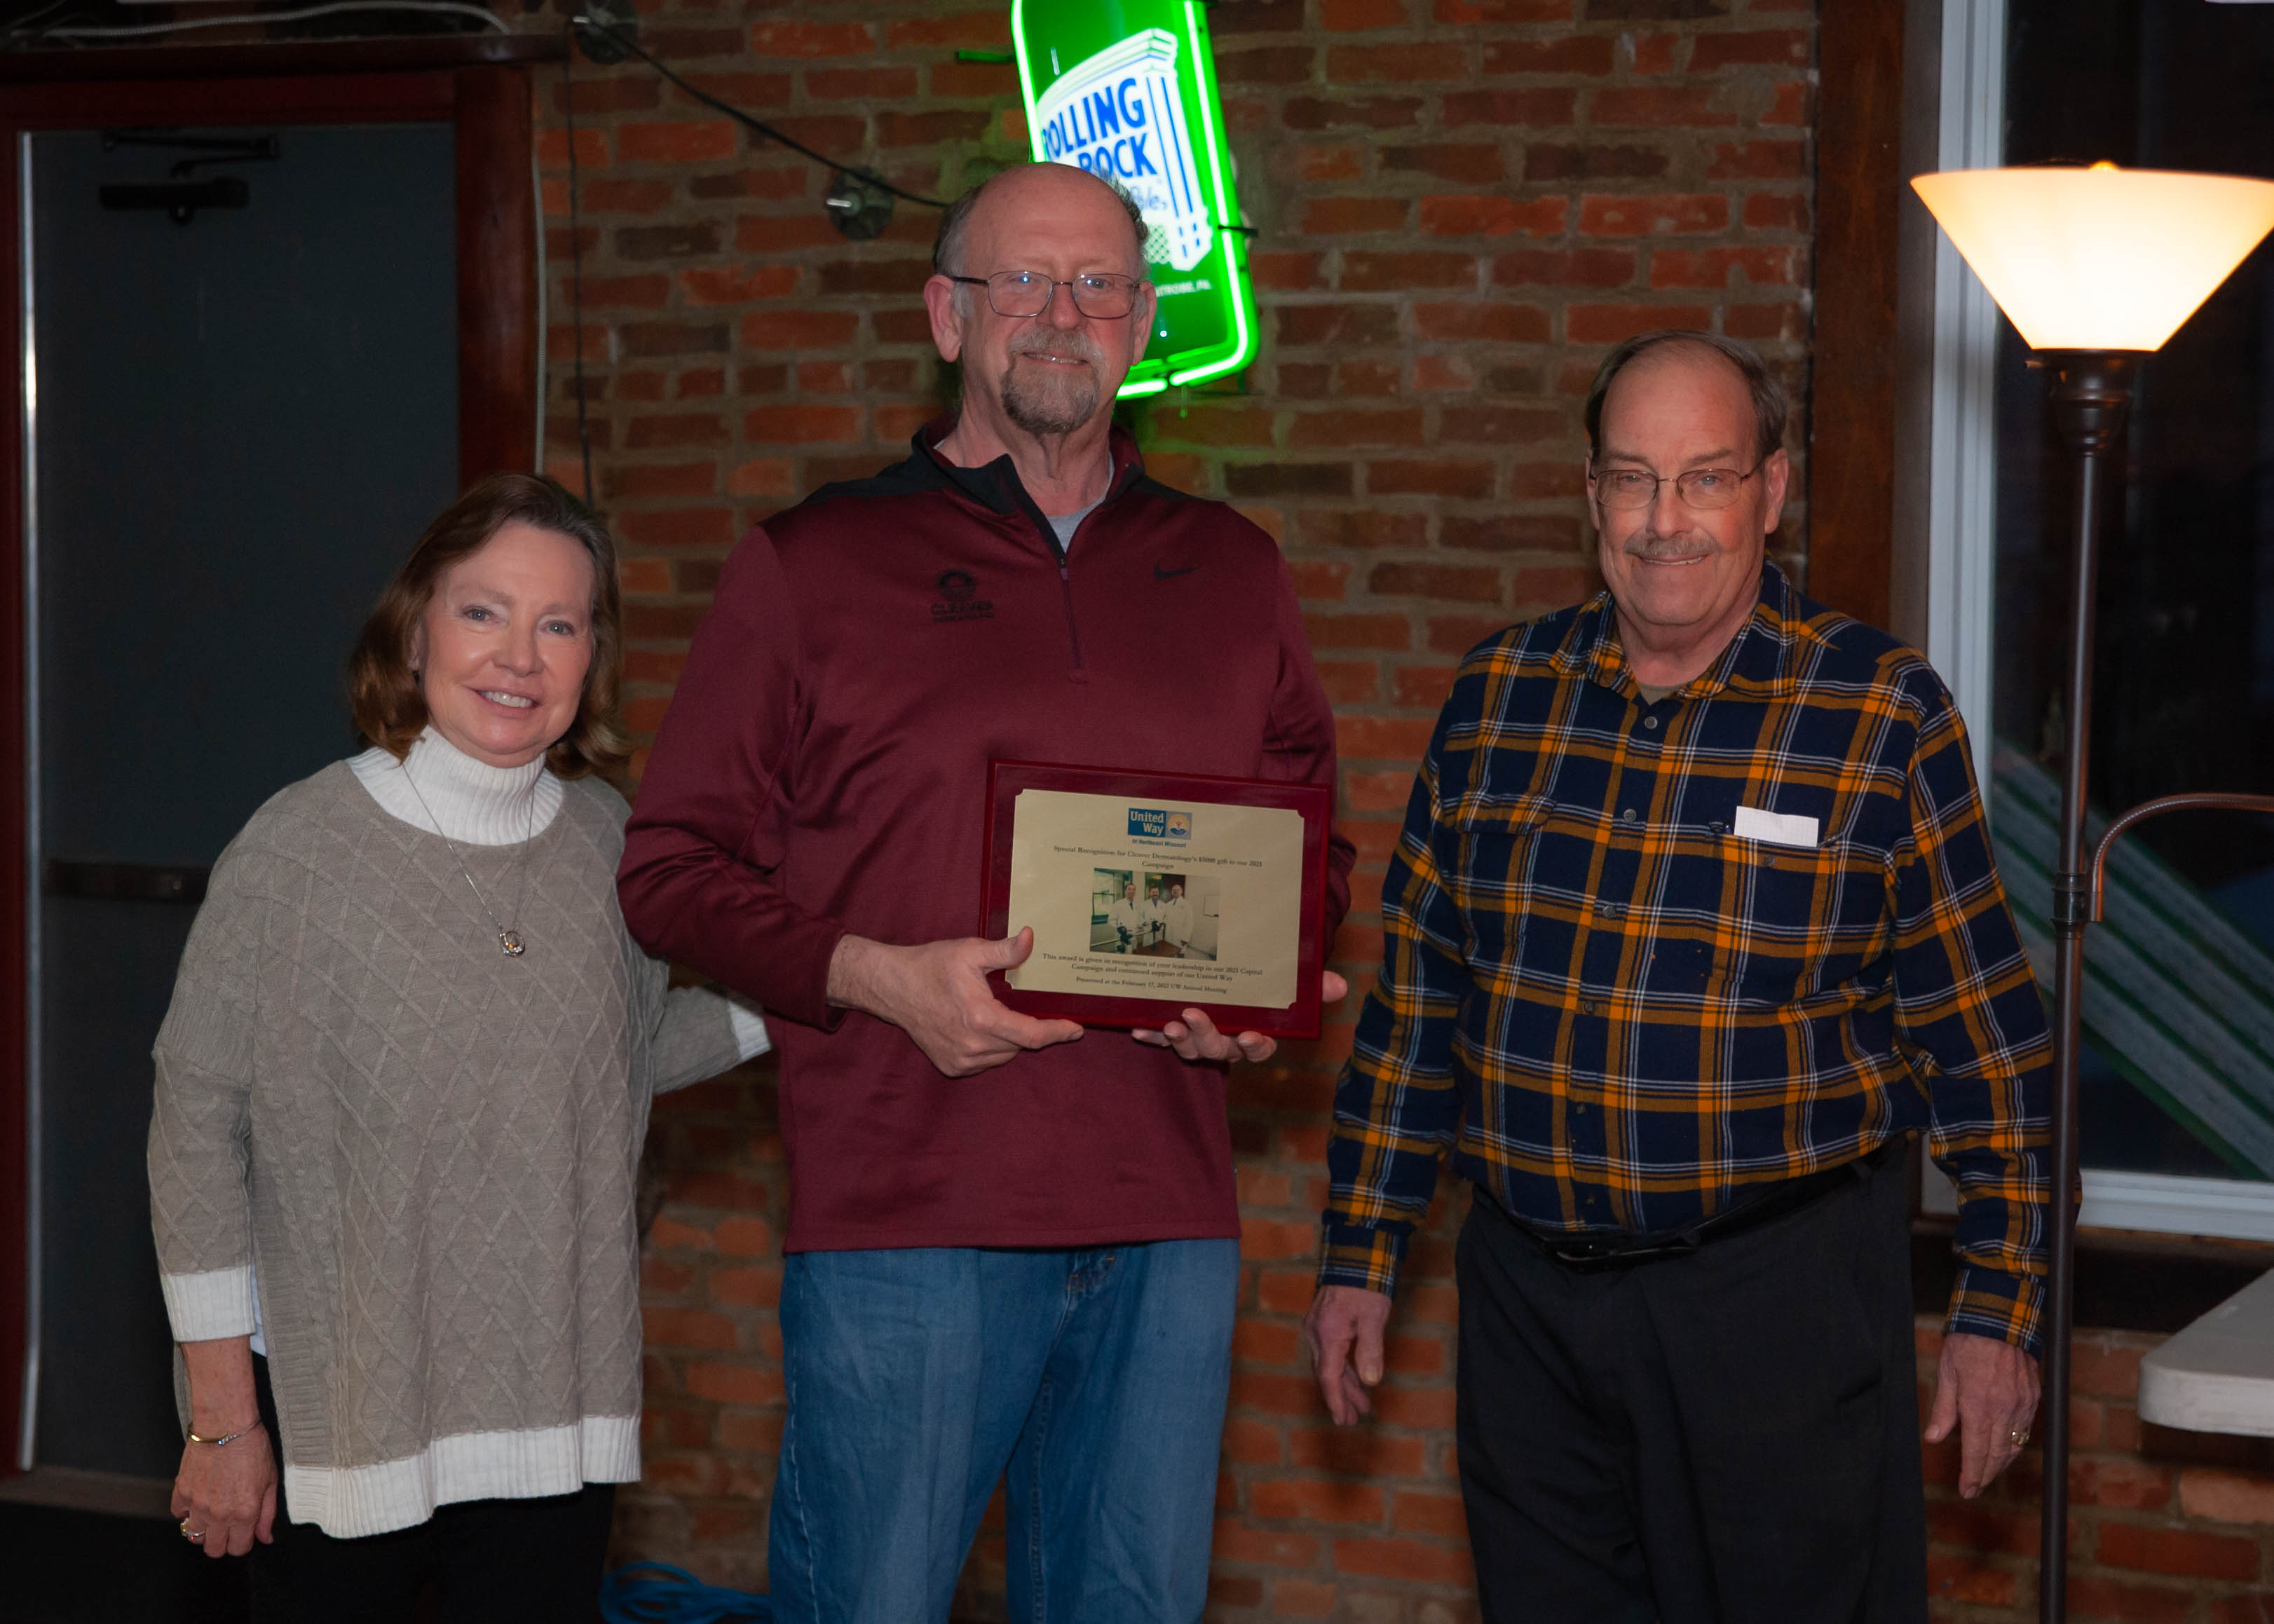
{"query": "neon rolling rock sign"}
[(1127, 89)]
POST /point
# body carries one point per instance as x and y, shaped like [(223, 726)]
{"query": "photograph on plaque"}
[(1149, 894), (1177, 915)]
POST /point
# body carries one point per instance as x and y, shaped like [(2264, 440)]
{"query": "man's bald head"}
[(1024, 187), (1647, 349)]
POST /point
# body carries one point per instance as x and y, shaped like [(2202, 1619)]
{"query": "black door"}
[(239, 423)]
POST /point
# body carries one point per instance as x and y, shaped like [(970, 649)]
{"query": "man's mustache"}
[(1076, 344), (1651, 544)]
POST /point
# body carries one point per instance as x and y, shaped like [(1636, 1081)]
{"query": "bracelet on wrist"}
[(226, 1438)]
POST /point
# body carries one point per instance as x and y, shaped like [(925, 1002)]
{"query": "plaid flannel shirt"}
[(1619, 1014)]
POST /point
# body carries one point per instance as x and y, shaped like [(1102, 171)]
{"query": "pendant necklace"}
[(509, 939)]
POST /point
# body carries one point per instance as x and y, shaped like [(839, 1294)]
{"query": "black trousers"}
[(484, 1561), (1729, 1437)]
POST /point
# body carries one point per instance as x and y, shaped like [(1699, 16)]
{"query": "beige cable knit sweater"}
[(428, 1150)]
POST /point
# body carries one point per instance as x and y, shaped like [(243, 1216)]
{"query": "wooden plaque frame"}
[(1314, 802)]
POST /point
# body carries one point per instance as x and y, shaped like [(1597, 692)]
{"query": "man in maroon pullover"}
[(1012, 1247)]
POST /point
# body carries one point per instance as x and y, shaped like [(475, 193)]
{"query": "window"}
[(2178, 1079)]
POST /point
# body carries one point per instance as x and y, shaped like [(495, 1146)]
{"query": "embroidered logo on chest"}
[(958, 599)]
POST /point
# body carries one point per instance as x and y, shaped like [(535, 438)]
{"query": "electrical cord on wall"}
[(614, 44), (456, 8), (575, 260), (623, 41), (862, 203), (23, 24)]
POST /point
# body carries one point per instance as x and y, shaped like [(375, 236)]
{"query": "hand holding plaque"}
[(1149, 894)]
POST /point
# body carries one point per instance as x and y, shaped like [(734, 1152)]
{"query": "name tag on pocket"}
[(1776, 828)]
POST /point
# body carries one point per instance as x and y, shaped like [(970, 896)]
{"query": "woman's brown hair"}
[(383, 691)]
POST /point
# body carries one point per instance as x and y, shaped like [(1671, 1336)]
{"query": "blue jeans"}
[(1095, 1378)]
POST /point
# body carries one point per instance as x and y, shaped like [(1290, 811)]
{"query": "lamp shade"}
[(2099, 258)]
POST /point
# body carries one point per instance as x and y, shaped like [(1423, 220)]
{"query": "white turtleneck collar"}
[(475, 803)]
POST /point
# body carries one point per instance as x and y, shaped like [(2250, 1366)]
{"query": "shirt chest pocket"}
[(1492, 870), (1757, 921)]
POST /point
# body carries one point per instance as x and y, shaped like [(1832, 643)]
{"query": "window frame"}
[(1943, 596)]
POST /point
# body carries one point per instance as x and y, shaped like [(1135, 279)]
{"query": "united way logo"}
[(1153, 824), (958, 599), (1119, 115)]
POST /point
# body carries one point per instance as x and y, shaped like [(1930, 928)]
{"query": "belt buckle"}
[(1588, 1262), (1605, 1257)]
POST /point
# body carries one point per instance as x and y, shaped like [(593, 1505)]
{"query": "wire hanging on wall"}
[(443, 8), (861, 200), (576, 266)]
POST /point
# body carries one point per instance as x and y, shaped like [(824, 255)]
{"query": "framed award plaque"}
[(1150, 894)]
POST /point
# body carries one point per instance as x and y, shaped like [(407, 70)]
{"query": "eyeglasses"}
[(1627, 489), (1100, 294)]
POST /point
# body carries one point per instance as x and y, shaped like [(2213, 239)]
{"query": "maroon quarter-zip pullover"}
[(824, 770)]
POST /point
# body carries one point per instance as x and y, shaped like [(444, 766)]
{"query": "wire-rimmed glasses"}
[(1629, 489), (1101, 295)]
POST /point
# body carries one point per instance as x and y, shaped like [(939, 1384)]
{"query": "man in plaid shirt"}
[(1692, 922)]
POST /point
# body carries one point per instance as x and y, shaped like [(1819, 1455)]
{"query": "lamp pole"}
[(2091, 396), (2097, 268)]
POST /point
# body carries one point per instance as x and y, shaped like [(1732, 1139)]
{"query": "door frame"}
[(480, 86)]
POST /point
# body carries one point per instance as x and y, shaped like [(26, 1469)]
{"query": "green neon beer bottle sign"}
[(1127, 89)]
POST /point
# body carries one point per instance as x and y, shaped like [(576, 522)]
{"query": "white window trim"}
[(2229, 1209), (1956, 617), (1962, 534)]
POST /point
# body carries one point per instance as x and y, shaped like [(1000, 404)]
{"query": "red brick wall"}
[(2167, 1529), (1461, 204)]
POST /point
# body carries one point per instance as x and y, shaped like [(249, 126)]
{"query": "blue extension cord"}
[(658, 1593)]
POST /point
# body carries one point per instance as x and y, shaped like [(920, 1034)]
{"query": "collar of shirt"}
[(1757, 663), (998, 485)]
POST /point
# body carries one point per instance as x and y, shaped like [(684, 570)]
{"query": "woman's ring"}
[(2019, 1438), (192, 1535)]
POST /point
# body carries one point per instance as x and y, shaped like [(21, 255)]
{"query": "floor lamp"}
[(2097, 268)]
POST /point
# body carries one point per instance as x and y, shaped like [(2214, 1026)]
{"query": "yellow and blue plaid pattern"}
[(1616, 1014)]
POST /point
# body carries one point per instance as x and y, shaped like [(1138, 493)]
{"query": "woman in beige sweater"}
[(402, 1090)]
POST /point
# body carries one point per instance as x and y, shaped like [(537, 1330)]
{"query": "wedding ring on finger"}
[(194, 1536)]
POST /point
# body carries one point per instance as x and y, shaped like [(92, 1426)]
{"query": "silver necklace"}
[(509, 939)]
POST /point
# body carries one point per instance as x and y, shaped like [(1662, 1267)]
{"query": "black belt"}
[(1622, 1249)]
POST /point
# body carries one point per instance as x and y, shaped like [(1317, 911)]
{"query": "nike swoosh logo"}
[(1160, 574)]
